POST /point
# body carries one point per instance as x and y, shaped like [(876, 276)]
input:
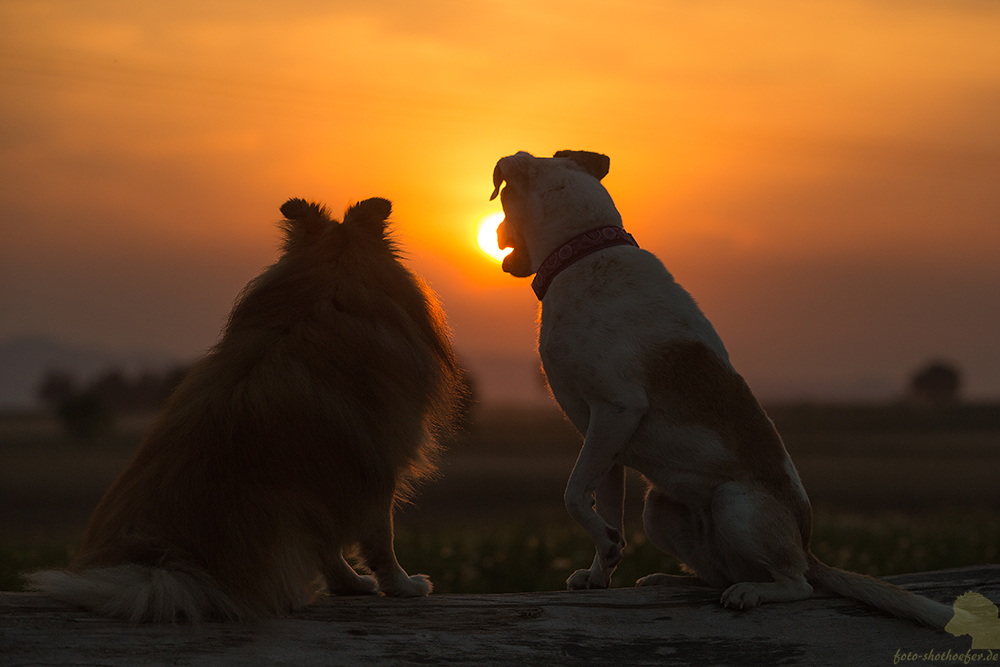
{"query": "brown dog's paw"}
[(403, 586)]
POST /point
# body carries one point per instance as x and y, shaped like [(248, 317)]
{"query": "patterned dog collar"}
[(577, 248)]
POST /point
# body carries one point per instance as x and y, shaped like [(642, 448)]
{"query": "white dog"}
[(641, 372)]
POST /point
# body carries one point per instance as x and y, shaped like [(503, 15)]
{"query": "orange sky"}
[(823, 177)]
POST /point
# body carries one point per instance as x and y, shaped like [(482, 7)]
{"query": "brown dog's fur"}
[(287, 444)]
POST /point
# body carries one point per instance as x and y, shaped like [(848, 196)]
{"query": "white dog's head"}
[(547, 201)]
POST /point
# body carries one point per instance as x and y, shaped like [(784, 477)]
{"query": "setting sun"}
[(487, 237)]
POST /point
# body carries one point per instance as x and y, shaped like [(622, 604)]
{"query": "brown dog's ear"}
[(515, 167), (304, 220), (369, 214), (595, 164)]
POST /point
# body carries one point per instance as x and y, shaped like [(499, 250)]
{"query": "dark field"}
[(895, 489)]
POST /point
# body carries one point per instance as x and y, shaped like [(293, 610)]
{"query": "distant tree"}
[(145, 392), (87, 411), (113, 390), (938, 383), (57, 386), (85, 416)]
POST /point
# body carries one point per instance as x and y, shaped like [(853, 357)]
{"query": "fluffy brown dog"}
[(289, 443)]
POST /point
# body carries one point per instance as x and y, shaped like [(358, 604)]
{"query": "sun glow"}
[(487, 237)]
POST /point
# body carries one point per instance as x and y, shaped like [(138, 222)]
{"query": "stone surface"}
[(647, 626)]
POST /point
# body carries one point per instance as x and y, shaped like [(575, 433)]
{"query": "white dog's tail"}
[(139, 593), (879, 594)]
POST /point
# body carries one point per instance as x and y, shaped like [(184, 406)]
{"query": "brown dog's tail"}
[(139, 593), (879, 594)]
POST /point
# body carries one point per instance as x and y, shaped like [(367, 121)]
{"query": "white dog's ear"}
[(369, 214), (512, 168), (304, 221), (595, 164)]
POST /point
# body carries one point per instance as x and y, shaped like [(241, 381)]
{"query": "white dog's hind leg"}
[(673, 530), (784, 588), (608, 430), (610, 501), (756, 534)]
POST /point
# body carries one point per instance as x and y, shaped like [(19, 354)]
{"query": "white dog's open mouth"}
[(513, 169), (518, 262)]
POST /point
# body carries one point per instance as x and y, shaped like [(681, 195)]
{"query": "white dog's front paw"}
[(613, 550), (408, 587), (745, 595), (585, 579), (613, 555)]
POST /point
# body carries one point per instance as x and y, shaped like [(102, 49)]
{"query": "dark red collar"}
[(577, 248)]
